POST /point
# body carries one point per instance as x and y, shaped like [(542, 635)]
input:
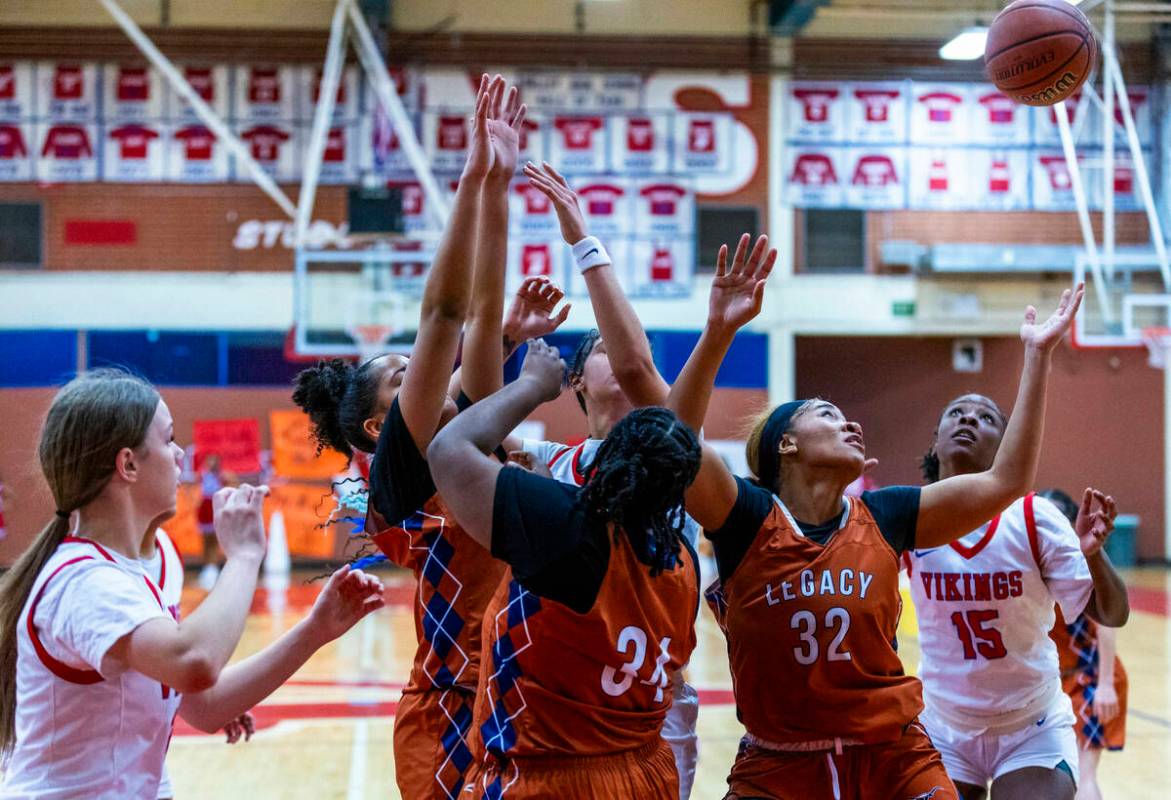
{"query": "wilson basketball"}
[(1040, 51)]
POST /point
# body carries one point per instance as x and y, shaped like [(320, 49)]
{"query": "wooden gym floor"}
[(327, 733)]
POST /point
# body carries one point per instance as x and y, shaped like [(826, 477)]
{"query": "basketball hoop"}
[(370, 339), (1157, 340)]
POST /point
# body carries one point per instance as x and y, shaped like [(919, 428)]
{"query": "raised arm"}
[(626, 342), (736, 297), (952, 507), (448, 290), (464, 472), (347, 597), (1109, 604), (481, 369)]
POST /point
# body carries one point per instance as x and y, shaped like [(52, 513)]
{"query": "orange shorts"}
[(431, 754), (647, 773), (1091, 732), (906, 769)]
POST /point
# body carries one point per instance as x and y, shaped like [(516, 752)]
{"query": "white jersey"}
[(86, 724), (570, 464), (985, 607), (165, 568)]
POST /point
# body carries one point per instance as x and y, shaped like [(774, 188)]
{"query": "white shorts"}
[(981, 758), (679, 732)]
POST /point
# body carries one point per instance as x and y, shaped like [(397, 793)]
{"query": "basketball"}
[(1040, 51)]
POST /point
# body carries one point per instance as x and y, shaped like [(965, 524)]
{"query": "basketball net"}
[(1157, 340), (371, 340)]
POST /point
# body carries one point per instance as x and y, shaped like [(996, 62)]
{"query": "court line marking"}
[(356, 788)]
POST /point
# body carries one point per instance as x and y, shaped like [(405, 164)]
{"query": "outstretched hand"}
[(480, 154), (531, 314), (543, 365), (551, 183), (738, 291), (347, 596), (1045, 336), (506, 115), (1095, 521)]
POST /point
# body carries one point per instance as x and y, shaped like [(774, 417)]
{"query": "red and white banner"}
[(939, 113), (131, 92), (16, 90), (414, 205), (134, 152), (67, 90), (662, 266), (640, 143), (345, 101), (535, 257), (608, 204), (940, 178), (816, 112), (16, 151), (531, 212), (446, 137), (664, 209), (265, 92), (999, 179), (876, 112), (815, 176), (379, 146), (209, 82), (66, 152), (194, 155), (578, 144), (997, 119), (703, 142), (275, 147), (1052, 181), (339, 160), (534, 139), (876, 177)]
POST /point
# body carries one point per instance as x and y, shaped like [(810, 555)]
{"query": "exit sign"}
[(903, 308)]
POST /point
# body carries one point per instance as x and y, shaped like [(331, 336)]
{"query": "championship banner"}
[(664, 209), (16, 90), (662, 266), (876, 112), (65, 152), (816, 112), (339, 160), (608, 204), (131, 92), (1053, 183), (134, 153), (702, 142), (530, 212), (815, 176), (877, 177), (998, 120), (16, 162), (999, 179), (379, 148), (235, 441), (445, 138), (194, 155), (305, 509), (578, 144), (939, 178), (534, 139), (640, 143), (275, 147), (209, 82), (294, 451), (939, 113), (265, 92), (67, 90), (414, 202)]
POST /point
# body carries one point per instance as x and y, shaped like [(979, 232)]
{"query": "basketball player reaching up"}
[(583, 635), (1093, 678), (810, 579), (612, 372), (393, 406), (995, 708), (93, 666)]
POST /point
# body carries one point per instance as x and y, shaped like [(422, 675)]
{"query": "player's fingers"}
[(563, 315), (1087, 501), (518, 118), (757, 254), (557, 176), (722, 261)]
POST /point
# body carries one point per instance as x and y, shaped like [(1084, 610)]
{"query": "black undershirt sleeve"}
[(896, 510), (731, 542), (400, 480), (539, 530)]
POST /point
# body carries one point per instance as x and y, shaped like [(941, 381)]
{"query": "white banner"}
[(1052, 183), (999, 179), (662, 266), (877, 177), (578, 144), (65, 152), (703, 142), (876, 112), (608, 204), (640, 143), (534, 140), (194, 155), (379, 149), (345, 103), (265, 92), (131, 92), (940, 113), (133, 152), (446, 136), (339, 160), (530, 212), (815, 177), (275, 148), (209, 82), (939, 178), (16, 90), (664, 209), (997, 119), (67, 90), (816, 112), (16, 162)]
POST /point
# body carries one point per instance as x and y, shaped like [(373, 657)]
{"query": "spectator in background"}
[(210, 482)]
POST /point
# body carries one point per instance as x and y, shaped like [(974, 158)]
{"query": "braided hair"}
[(339, 397), (638, 479)]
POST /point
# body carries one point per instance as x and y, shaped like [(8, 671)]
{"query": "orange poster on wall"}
[(306, 509), (294, 452), (182, 527)]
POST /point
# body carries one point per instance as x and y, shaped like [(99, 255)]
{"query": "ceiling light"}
[(968, 45)]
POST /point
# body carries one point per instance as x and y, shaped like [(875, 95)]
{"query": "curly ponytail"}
[(638, 479), (339, 398)]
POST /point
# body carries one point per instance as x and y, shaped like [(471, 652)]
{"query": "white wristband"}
[(589, 253)]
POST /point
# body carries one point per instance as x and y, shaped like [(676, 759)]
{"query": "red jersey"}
[(67, 142), (7, 82), (264, 85), (266, 142), (565, 683), (198, 142), (133, 141), (11, 142), (202, 81), (133, 85), (68, 82), (811, 630)]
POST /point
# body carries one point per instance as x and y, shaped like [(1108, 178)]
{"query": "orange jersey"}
[(811, 631), (456, 578), (560, 683), (1077, 652)]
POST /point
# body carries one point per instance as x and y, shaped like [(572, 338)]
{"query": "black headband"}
[(770, 441)]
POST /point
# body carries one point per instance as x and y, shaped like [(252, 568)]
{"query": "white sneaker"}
[(208, 576)]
